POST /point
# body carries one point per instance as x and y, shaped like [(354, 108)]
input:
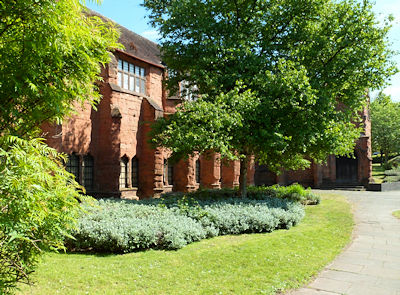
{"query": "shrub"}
[(294, 192), (38, 206), (121, 226), (394, 162), (392, 175), (175, 221), (392, 172)]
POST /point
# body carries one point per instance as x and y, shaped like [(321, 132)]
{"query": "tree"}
[(50, 58), (307, 64), (385, 121), (50, 55)]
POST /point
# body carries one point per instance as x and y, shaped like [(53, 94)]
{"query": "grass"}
[(378, 173), (396, 214), (243, 264)]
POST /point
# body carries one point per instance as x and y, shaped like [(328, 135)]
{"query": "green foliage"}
[(394, 162), (280, 80), (294, 192), (51, 54), (173, 222), (385, 120), (392, 175), (396, 214), (236, 264), (38, 206)]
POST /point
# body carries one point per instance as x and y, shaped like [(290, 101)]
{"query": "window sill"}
[(128, 189), (117, 88)]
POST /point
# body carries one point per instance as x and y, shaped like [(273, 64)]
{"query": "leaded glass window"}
[(131, 77), (135, 172), (88, 172), (73, 166), (168, 173), (198, 171), (123, 176)]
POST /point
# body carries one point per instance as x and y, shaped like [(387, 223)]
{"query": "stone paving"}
[(371, 263)]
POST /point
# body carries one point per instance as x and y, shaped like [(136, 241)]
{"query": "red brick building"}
[(336, 172), (108, 148)]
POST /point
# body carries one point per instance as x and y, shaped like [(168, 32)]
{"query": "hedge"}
[(120, 226)]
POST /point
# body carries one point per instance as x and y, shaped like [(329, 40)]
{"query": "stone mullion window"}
[(135, 172), (123, 177), (73, 166), (168, 174), (88, 172), (197, 171), (131, 77)]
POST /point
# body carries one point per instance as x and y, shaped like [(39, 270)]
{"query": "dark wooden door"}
[(346, 170)]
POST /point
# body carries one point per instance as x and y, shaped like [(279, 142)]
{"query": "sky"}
[(131, 15)]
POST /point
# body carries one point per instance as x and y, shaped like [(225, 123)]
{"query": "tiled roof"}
[(135, 44)]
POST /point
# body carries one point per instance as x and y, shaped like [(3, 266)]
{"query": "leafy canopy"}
[(301, 70), (50, 55), (385, 121)]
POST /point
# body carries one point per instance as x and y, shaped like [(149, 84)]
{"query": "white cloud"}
[(153, 35)]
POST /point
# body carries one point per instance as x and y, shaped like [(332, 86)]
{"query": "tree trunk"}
[(243, 177), (381, 152)]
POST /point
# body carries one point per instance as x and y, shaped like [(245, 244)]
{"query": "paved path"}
[(371, 264)]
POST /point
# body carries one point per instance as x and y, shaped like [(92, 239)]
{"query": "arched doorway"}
[(263, 176), (347, 170)]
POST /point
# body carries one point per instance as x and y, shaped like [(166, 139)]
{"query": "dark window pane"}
[(198, 171), (126, 67), (170, 174), (88, 172), (73, 166), (165, 174), (135, 172)]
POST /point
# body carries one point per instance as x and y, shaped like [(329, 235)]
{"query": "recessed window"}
[(198, 171), (88, 172), (123, 176), (73, 166), (131, 77), (168, 173), (135, 172), (220, 171)]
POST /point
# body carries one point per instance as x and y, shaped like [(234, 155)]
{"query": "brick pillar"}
[(250, 171), (230, 174), (209, 171), (317, 174), (184, 173), (158, 172)]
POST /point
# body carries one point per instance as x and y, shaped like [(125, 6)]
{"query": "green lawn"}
[(378, 173), (243, 264), (396, 214)]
